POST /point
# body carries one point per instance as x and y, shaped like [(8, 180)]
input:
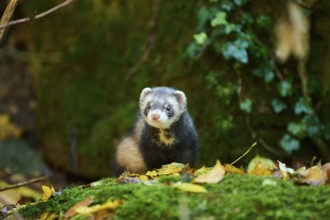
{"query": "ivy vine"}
[(228, 30)]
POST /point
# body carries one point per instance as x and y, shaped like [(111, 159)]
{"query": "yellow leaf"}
[(143, 178), (215, 175), (73, 210), (202, 170), (190, 187), (152, 173), (107, 205), (47, 193), (170, 169), (48, 216), (231, 169), (261, 166)]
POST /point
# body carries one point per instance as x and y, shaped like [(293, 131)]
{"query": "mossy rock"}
[(236, 197)]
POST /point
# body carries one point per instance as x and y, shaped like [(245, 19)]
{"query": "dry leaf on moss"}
[(73, 210), (48, 216), (190, 187), (231, 169), (47, 193), (261, 166), (170, 169), (107, 205), (215, 175), (315, 176)]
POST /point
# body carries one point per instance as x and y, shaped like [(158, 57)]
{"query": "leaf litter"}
[(193, 181)]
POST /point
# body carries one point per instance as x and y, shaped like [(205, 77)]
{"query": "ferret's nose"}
[(155, 117)]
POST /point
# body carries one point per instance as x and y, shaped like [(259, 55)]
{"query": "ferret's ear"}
[(181, 98), (145, 92)]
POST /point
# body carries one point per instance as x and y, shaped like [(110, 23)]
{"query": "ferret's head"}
[(162, 106)]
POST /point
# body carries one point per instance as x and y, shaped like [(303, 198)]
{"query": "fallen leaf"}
[(202, 170), (143, 178), (47, 192), (170, 169), (315, 176), (107, 205), (48, 216), (73, 210), (215, 175), (152, 174), (260, 166), (231, 169), (326, 170), (283, 167), (190, 187), (285, 171)]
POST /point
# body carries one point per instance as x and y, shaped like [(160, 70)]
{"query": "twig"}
[(150, 42), (252, 146), (7, 14), (38, 16), (14, 186)]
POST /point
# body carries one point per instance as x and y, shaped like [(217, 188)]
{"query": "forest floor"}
[(264, 190)]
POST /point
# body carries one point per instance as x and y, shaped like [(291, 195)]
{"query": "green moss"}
[(236, 197)]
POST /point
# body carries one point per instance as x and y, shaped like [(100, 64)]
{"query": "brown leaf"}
[(315, 176), (73, 210), (215, 175), (326, 170), (292, 34)]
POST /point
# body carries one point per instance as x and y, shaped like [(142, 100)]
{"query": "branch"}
[(7, 14), (38, 16), (14, 186)]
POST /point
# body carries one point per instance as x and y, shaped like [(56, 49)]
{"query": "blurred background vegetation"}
[(252, 71)]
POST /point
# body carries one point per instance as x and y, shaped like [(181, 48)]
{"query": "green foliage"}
[(233, 32)]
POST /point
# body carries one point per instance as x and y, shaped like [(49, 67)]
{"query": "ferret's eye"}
[(168, 108), (149, 106)]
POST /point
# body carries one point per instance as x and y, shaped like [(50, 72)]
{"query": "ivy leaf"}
[(203, 15), (200, 38), (297, 129), (220, 19), (285, 88), (304, 105), (246, 105), (265, 73), (236, 50), (278, 105), (314, 126), (240, 2), (289, 144)]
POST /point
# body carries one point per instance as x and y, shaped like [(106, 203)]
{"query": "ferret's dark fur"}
[(163, 133)]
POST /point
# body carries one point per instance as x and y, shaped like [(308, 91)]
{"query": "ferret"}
[(163, 133)]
